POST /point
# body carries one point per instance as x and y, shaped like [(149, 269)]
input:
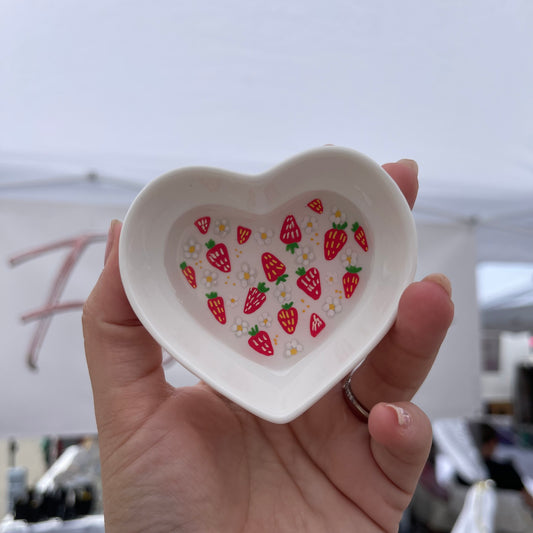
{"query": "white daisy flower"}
[(304, 256), (240, 327), (192, 249), (210, 278), (332, 306), (330, 278), (348, 257), (232, 301), (293, 347), (265, 320), (264, 236), (222, 227), (283, 293), (337, 216), (309, 224), (247, 275)]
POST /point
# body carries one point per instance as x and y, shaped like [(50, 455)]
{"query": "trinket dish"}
[(271, 287)]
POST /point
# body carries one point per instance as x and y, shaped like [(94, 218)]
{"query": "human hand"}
[(189, 460)]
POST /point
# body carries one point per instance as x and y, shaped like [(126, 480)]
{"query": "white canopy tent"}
[(511, 313), (98, 98)]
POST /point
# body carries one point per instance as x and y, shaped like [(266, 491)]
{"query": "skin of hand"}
[(189, 460)]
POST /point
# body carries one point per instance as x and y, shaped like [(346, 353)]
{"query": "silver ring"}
[(359, 410)]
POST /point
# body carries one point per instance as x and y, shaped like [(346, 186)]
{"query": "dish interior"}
[(271, 287)]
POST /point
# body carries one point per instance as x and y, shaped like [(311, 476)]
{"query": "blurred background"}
[(98, 98)]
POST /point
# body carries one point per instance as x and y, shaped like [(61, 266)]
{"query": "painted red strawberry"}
[(290, 233), (218, 256), (316, 205), (309, 282), (256, 298), (359, 236), (274, 268), (215, 303), (288, 318), (316, 325), (203, 224), (350, 280), (334, 239), (243, 234), (260, 341), (190, 275)]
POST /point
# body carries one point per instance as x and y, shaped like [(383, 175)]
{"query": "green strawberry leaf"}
[(262, 287), (291, 247), (353, 269)]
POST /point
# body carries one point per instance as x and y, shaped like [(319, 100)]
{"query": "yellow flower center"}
[(233, 300), (282, 294), (332, 307), (263, 235), (239, 328), (349, 258), (338, 214), (192, 248), (221, 227), (246, 275), (305, 257), (309, 224), (209, 279), (294, 351), (330, 279)]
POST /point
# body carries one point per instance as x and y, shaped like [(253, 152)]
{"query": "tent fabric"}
[(453, 387), (517, 319), (129, 90), (511, 312)]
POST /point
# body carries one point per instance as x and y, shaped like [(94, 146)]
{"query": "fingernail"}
[(110, 239), (411, 163), (442, 280), (404, 418)]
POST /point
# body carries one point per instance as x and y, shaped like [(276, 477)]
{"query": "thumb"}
[(400, 443), (123, 359)]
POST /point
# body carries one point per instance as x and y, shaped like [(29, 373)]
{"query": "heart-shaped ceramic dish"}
[(271, 287)]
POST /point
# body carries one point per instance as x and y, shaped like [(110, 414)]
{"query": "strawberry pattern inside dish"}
[(273, 287)]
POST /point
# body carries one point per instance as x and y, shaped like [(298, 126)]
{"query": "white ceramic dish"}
[(209, 259)]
